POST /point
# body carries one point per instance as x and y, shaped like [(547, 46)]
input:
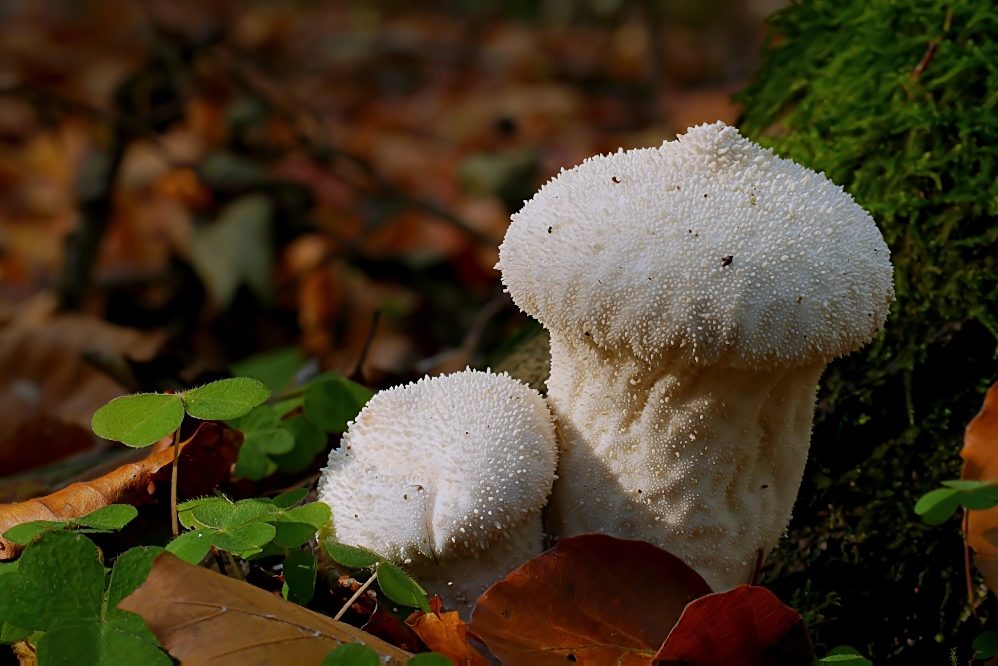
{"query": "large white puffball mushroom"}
[(694, 293), (446, 476)]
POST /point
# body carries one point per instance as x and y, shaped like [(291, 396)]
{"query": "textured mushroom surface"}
[(694, 293), (447, 475)]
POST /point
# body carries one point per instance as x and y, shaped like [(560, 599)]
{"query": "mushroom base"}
[(460, 581), (704, 462)]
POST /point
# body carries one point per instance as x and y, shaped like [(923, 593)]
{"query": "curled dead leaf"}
[(980, 455), (205, 461), (202, 617), (747, 626), (447, 634), (592, 599)]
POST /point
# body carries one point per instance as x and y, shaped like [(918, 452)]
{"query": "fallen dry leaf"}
[(42, 369), (592, 599), (202, 617), (41, 439), (205, 461), (447, 634), (747, 626), (980, 455)]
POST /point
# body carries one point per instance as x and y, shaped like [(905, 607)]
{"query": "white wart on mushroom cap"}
[(443, 470), (693, 293)]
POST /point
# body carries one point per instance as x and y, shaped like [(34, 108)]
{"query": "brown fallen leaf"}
[(747, 626), (202, 617), (592, 599), (205, 461), (42, 369), (447, 634), (980, 455), (41, 439)]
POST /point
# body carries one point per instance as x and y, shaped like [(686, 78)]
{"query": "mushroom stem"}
[(703, 461)]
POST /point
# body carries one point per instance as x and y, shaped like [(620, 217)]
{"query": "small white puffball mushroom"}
[(694, 293), (446, 476)]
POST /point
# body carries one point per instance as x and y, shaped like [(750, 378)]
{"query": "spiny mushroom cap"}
[(710, 246), (441, 467)]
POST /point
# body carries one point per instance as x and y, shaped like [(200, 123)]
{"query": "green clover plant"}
[(60, 597), (253, 528)]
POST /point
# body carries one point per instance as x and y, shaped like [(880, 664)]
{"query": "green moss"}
[(896, 102)]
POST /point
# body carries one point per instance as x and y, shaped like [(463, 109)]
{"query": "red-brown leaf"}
[(592, 599), (747, 626)]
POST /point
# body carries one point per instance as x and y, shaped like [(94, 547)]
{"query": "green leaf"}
[(845, 655), (968, 486), (236, 249), (979, 500), (986, 645), (309, 441), (938, 505), (185, 510), (225, 399), (262, 417), (333, 400), (400, 588), (429, 659), (130, 570), (110, 518), (61, 583), (61, 591), (246, 537), (252, 510), (139, 420), (353, 557), (213, 514), (299, 576), (290, 498), (273, 440), (297, 526), (12, 634), (274, 369), (287, 406), (352, 654), (192, 546), (25, 533), (253, 464), (97, 645)]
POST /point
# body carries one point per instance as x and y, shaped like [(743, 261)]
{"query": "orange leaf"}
[(747, 626), (202, 617), (447, 634), (206, 459), (592, 599), (980, 455)]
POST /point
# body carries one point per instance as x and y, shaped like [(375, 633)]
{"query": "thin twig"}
[(926, 59), (367, 345), (173, 484), (966, 566), (235, 567), (218, 560), (356, 596)]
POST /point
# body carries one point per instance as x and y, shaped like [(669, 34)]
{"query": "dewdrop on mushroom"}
[(446, 476), (694, 293)]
